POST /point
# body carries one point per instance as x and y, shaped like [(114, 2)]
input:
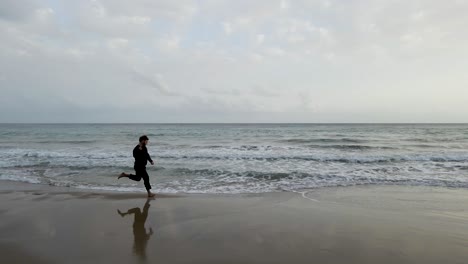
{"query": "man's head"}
[(144, 140)]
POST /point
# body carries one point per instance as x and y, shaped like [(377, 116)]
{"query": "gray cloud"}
[(155, 82), (17, 10), (231, 91), (264, 91)]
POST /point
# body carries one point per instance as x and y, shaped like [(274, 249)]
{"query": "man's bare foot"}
[(123, 174), (151, 194)]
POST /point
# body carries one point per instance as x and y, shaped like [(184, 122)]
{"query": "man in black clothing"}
[(141, 155)]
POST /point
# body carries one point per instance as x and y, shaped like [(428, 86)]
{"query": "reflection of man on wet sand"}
[(139, 230)]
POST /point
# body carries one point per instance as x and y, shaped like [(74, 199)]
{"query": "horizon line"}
[(233, 123)]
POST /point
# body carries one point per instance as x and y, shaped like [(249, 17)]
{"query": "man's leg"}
[(123, 174), (145, 176), (135, 177)]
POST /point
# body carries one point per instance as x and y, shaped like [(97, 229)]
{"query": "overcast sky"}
[(234, 61)]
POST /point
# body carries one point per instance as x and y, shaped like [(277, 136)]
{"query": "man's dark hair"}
[(143, 138)]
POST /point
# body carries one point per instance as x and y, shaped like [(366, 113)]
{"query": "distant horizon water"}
[(234, 123)]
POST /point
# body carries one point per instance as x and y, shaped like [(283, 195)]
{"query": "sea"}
[(236, 158)]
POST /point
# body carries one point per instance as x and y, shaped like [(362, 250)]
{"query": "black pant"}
[(140, 172)]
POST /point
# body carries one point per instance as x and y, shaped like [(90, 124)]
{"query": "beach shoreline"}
[(362, 224)]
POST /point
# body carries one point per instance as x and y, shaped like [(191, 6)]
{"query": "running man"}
[(141, 155)]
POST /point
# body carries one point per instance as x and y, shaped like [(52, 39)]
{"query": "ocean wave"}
[(378, 172), (6, 147), (351, 159), (53, 155), (249, 182), (351, 147), (286, 148), (436, 139), (18, 178), (322, 140), (72, 142), (48, 165), (90, 160)]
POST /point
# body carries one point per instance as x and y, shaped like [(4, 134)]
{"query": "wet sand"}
[(392, 224)]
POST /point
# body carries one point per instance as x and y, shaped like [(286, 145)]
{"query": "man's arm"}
[(135, 152), (149, 158)]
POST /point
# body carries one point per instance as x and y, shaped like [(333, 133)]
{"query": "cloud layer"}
[(233, 61)]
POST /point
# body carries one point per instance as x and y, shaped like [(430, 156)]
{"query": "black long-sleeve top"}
[(141, 156)]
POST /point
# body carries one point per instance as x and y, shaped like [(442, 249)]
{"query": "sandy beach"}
[(392, 224)]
